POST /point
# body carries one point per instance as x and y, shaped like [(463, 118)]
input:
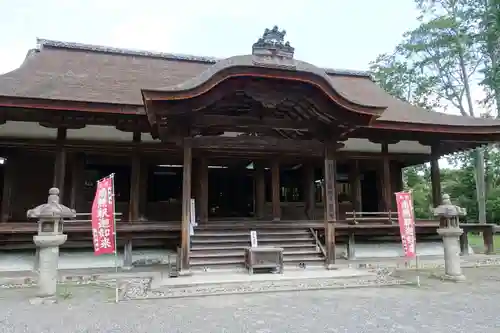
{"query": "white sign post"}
[(192, 217), (253, 238)]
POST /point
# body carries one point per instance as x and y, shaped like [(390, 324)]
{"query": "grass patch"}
[(67, 291), (477, 243)]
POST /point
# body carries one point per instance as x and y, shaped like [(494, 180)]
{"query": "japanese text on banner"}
[(406, 221), (103, 219)]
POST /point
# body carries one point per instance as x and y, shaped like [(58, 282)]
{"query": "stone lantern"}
[(449, 230), (50, 236)]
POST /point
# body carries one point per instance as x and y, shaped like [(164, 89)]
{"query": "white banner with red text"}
[(103, 217), (404, 202)]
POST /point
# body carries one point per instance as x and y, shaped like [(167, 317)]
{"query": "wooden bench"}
[(488, 231), (19, 235), (371, 217), (426, 227)]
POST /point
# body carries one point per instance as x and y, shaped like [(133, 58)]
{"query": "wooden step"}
[(237, 261), (218, 247), (241, 253), (247, 236), (223, 248), (217, 261), (303, 259), (200, 240), (214, 233)]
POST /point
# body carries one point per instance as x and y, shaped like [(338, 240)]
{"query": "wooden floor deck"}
[(165, 226), (78, 227)]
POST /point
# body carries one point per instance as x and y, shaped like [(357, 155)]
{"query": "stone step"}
[(139, 289)]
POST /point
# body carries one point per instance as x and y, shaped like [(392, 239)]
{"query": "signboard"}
[(253, 238), (406, 221), (103, 217)]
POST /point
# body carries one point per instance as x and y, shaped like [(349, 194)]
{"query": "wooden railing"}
[(317, 240), (371, 217), (87, 217)]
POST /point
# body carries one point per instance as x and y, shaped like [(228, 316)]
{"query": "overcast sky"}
[(345, 34)]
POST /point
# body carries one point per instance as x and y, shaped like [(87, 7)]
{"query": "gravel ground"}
[(435, 307)]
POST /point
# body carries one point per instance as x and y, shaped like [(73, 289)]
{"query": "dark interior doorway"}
[(369, 192), (230, 192)]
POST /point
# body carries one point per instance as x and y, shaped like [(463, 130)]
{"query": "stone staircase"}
[(216, 248)]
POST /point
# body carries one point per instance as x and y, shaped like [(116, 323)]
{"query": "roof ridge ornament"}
[(273, 43), (271, 50)]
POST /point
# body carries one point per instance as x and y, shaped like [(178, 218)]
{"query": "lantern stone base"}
[(43, 300), (331, 267), (49, 257), (451, 245), (184, 272), (454, 278)]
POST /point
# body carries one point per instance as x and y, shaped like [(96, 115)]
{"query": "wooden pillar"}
[(143, 200), (203, 189), (275, 185), (355, 184), (386, 179), (60, 162), (135, 180), (260, 190), (399, 179), (309, 195), (435, 177), (186, 205), (330, 202), (9, 171), (134, 197), (77, 182)]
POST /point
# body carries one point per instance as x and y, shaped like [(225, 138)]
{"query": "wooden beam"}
[(435, 177), (77, 182), (186, 206), (260, 190), (135, 182), (309, 189), (230, 123), (275, 189), (9, 174), (60, 162), (299, 148), (203, 189), (143, 187), (386, 178), (330, 203), (254, 143), (355, 183)]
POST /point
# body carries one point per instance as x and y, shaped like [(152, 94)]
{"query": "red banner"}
[(406, 220), (103, 217)]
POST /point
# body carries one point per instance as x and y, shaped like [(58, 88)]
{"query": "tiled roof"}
[(99, 74)]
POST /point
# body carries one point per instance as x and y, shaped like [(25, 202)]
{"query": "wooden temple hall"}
[(308, 157)]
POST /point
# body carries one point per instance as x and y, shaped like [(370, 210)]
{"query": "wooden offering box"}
[(264, 258)]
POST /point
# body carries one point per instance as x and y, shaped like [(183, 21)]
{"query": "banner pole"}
[(417, 264), (112, 176)]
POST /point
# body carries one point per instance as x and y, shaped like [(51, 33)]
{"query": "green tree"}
[(487, 15), (444, 50), (403, 81)]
